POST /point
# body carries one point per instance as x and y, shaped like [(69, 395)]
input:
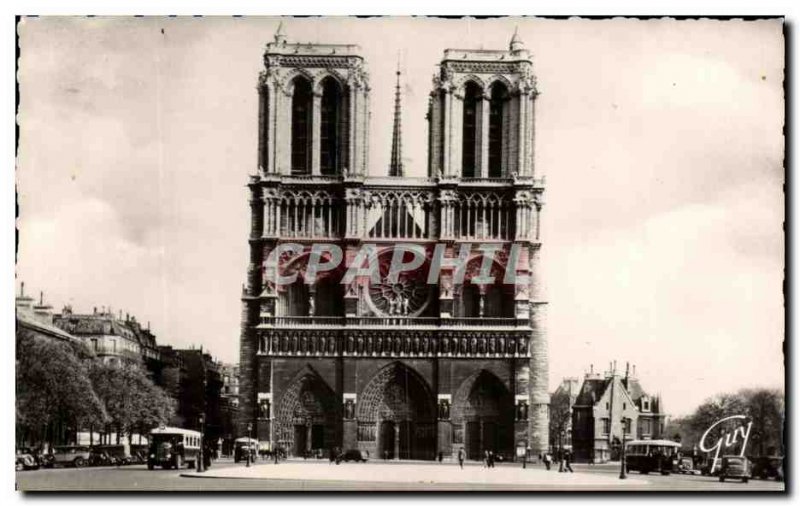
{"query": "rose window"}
[(408, 295)]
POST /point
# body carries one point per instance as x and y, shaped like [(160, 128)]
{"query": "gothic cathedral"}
[(403, 368)]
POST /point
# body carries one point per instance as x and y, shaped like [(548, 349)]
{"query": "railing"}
[(389, 321)]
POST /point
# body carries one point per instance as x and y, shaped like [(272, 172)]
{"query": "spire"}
[(280, 36), (396, 163), (516, 43)]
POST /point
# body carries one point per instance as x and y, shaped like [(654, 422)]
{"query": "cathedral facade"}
[(406, 367)]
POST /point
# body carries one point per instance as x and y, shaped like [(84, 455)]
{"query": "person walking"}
[(486, 459), (461, 456), (567, 461), (547, 459), (491, 459)]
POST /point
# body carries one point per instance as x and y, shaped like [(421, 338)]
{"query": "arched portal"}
[(398, 407), (484, 409), (307, 416)]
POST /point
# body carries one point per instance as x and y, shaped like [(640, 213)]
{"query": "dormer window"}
[(645, 404)]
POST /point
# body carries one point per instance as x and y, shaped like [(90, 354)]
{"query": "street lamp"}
[(622, 466), (249, 450), (199, 460)]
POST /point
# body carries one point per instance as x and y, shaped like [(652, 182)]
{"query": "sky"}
[(661, 142)]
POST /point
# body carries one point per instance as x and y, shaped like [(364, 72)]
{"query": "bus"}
[(645, 455), (242, 446), (172, 447)]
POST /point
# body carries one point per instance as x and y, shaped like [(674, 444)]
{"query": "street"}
[(302, 476)]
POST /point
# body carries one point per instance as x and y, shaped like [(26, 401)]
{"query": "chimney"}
[(22, 289), (627, 369), (127, 317), (41, 298), (148, 325), (634, 370), (95, 310)]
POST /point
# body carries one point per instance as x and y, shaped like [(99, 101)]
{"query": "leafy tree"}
[(133, 402), (560, 415), (763, 407), (53, 390)]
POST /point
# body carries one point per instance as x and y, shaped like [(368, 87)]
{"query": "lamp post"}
[(249, 450), (622, 467), (199, 459)]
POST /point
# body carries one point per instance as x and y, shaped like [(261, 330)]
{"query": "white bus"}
[(172, 447)]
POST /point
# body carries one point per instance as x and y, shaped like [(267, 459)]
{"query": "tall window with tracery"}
[(329, 121), (496, 119), (301, 127), (469, 154)]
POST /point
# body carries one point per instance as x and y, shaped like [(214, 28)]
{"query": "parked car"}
[(765, 468), (25, 460), (734, 468), (99, 457), (685, 465), (355, 455), (77, 456)]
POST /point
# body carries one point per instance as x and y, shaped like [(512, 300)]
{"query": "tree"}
[(763, 407), (54, 393), (560, 415), (133, 402)]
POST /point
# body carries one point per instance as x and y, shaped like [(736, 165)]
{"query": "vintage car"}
[(733, 467), (26, 460), (685, 465), (77, 456), (765, 468), (354, 455), (243, 447)]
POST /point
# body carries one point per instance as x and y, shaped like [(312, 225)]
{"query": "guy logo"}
[(726, 440)]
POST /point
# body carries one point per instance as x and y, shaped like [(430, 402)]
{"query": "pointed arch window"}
[(301, 126), (330, 113), (469, 152), (497, 102)]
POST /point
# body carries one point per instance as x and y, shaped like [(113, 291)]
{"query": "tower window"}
[(301, 127), (496, 105), (329, 120), (469, 156)]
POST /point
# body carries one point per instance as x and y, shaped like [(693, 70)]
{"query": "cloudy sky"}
[(661, 142)]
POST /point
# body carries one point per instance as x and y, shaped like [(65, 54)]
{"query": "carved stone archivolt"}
[(307, 401)]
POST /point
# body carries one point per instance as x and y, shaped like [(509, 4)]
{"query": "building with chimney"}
[(612, 406), (37, 319), (114, 338), (401, 368)]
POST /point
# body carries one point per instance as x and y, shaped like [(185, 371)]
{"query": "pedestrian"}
[(486, 459), (441, 457), (567, 461), (461, 456), (560, 457), (332, 456), (491, 458), (547, 460)]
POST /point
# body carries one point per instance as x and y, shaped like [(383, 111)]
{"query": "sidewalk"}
[(428, 473)]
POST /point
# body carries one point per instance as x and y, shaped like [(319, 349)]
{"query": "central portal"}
[(401, 405)]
